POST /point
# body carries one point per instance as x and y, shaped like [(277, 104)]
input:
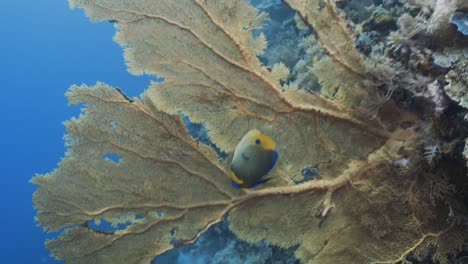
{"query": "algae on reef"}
[(172, 189)]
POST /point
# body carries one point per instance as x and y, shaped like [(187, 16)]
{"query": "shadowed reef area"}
[(366, 99)]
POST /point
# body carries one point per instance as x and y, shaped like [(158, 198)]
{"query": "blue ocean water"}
[(45, 47)]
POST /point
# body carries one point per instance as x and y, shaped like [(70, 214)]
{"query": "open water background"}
[(44, 48)]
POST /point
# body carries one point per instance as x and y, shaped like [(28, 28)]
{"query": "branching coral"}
[(359, 212)]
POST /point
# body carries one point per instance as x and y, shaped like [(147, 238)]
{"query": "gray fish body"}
[(252, 162)]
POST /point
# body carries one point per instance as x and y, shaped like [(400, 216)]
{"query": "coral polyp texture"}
[(376, 200)]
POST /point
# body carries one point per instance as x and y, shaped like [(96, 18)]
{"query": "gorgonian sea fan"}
[(205, 50)]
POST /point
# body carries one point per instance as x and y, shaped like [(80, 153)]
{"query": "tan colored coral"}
[(358, 212)]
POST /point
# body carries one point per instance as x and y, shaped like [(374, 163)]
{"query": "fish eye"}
[(257, 141)]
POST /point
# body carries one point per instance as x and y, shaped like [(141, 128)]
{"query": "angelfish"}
[(254, 157)]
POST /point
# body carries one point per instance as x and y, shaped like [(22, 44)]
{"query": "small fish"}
[(254, 157)]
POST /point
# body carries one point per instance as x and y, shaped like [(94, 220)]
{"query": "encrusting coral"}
[(172, 189)]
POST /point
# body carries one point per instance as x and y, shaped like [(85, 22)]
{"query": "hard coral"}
[(362, 210)]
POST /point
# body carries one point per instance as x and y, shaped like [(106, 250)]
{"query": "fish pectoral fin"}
[(235, 179), (245, 157)]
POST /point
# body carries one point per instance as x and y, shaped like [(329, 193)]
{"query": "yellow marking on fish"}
[(267, 142), (234, 178)]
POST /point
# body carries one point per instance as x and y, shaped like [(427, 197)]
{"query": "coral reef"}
[(371, 168), (282, 34), (465, 152), (381, 20), (218, 245), (301, 75), (460, 19), (457, 83), (441, 25)]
